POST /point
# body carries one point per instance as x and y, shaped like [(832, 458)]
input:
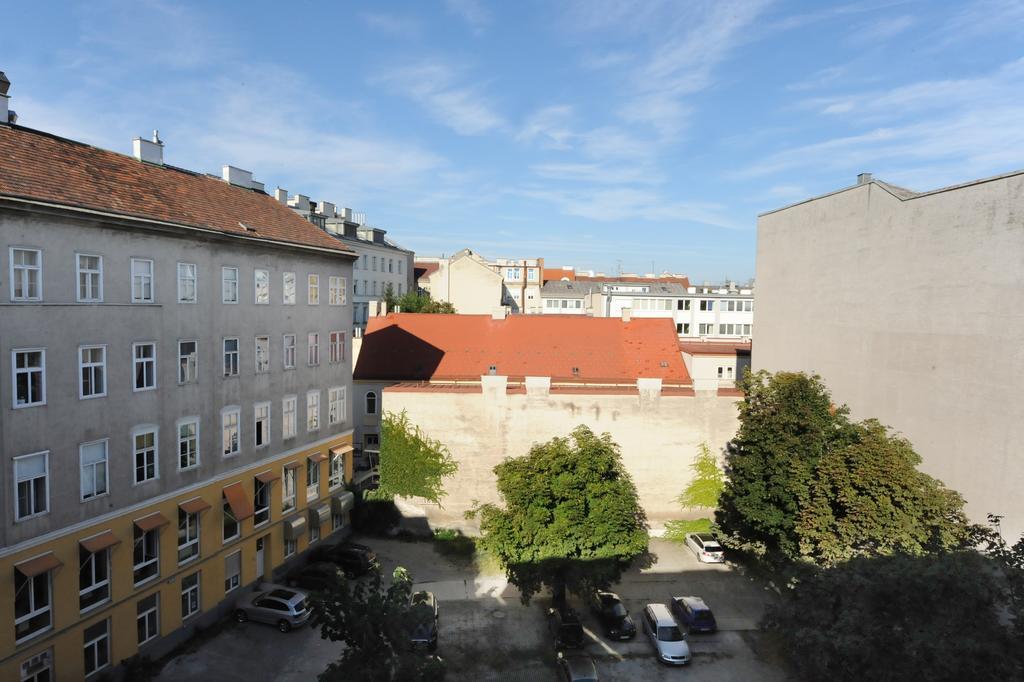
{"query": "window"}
[(262, 283), (288, 490), (261, 503), (314, 532), (686, 327), (26, 275), (313, 291), (312, 479), (29, 374), (705, 329), (355, 287), (190, 595), (313, 410), (290, 547), (144, 357), (707, 305), (747, 329), (337, 346), (188, 443), (31, 485), (32, 598), (313, 356), (232, 571), (187, 282), (513, 274), (97, 647), (228, 284), (336, 293), (683, 304), (229, 418), (90, 278), (142, 280), (390, 265), (262, 424), (147, 619), (262, 354), (188, 536), (92, 371), (144, 453), (231, 525), (679, 327), (93, 577), (399, 268), (230, 357), (93, 460), (748, 306), (336, 468), (371, 403), (288, 288), (288, 418), (145, 555), (399, 288), (289, 351), (188, 362), (374, 263), (336, 405), (374, 285)]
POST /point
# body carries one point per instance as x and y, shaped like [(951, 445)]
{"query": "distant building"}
[(521, 280), (908, 304), (715, 365), (569, 297), (465, 280)]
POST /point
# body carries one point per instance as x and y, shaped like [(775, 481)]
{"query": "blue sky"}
[(592, 133)]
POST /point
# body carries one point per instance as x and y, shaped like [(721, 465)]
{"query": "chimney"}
[(499, 313), (327, 209), (864, 178), (150, 151), (6, 115), (299, 202), (627, 314), (281, 195), (237, 176), (345, 214)]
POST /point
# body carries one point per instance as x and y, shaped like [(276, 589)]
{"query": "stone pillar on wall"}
[(493, 386), (538, 386), (650, 391)]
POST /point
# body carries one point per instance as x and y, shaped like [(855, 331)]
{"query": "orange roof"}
[(424, 269), (558, 273), (424, 347), (715, 347), (685, 281), (43, 167)]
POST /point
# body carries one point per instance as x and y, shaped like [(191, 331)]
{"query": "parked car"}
[(612, 614), (693, 614), (314, 577), (354, 559), (423, 609), (281, 606), (565, 628), (576, 666), (664, 634), (706, 547)]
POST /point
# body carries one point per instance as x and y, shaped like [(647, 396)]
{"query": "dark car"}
[(565, 628), (314, 577), (353, 559), (424, 613), (576, 667), (693, 614), (612, 614)]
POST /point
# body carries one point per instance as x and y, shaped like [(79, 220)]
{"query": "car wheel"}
[(284, 626), (241, 616)]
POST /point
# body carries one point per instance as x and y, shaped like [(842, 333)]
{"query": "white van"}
[(667, 639)]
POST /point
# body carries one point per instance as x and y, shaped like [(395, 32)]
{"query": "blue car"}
[(693, 614)]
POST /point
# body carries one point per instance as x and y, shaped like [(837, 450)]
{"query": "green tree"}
[(932, 617), (376, 624), (571, 517), (412, 302), (412, 464), (1010, 559), (702, 492)]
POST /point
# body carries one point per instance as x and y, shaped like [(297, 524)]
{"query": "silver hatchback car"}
[(284, 607)]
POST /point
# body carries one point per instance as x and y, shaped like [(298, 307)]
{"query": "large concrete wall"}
[(659, 437), (911, 310)]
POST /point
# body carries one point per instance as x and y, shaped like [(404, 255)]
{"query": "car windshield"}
[(420, 598), (669, 633), (712, 547), (618, 610), (284, 595), (705, 537), (702, 616)]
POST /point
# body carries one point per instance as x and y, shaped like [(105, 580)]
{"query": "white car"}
[(663, 632), (706, 548)]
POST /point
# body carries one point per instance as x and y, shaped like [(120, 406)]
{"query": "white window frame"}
[(231, 359), (313, 349), (186, 593), (288, 288), (105, 462), (146, 561), (337, 290), (289, 351), (95, 296), (312, 480), (288, 500), (45, 454), (92, 367), (256, 424), (313, 289), (96, 584), (193, 363), (289, 417), (290, 547), (228, 285), (15, 372), (21, 274), (256, 286), (177, 432), (313, 411), (336, 345), (236, 412), (260, 486), (192, 536), (142, 430), (336, 405), (366, 402), (232, 581), (34, 612), (335, 470), (144, 279), (155, 609), (228, 513), (136, 361), (95, 644), (183, 278), (314, 532), (266, 355)]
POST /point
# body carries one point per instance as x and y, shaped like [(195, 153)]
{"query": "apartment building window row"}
[(707, 305), (683, 304), (563, 304), (705, 329), (737, 306), (652, 304), (734, 329)]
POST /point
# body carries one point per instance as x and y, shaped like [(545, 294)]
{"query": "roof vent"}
[(281, 195), (237, 176), (150, 151), (864, 178), (664, 363), (575, 371), (492, 370)]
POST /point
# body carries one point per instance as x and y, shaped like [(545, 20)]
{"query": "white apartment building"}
[(521, 280)]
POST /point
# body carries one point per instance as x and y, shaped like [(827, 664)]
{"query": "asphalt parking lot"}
[(487, 634)]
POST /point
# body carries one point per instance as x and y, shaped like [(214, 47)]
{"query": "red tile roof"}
[(685, 281), (42, 167), (558, 274), (422, 269), (715, 347), (422, 347)]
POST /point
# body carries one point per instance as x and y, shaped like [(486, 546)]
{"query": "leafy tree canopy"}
[(933, 617), (376, 624), (702, 492), (412, 464), (806, 483), (412, 302), (571, 516)]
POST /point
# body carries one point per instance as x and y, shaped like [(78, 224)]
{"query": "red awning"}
[(194, 506), (318, 457), (154, 520), (267, 477), (40, 564), (241, 505), (98, 543)]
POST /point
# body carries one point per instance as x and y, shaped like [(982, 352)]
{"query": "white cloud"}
[(549, 126), (391, 24), (880, 30), (476, 16)]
